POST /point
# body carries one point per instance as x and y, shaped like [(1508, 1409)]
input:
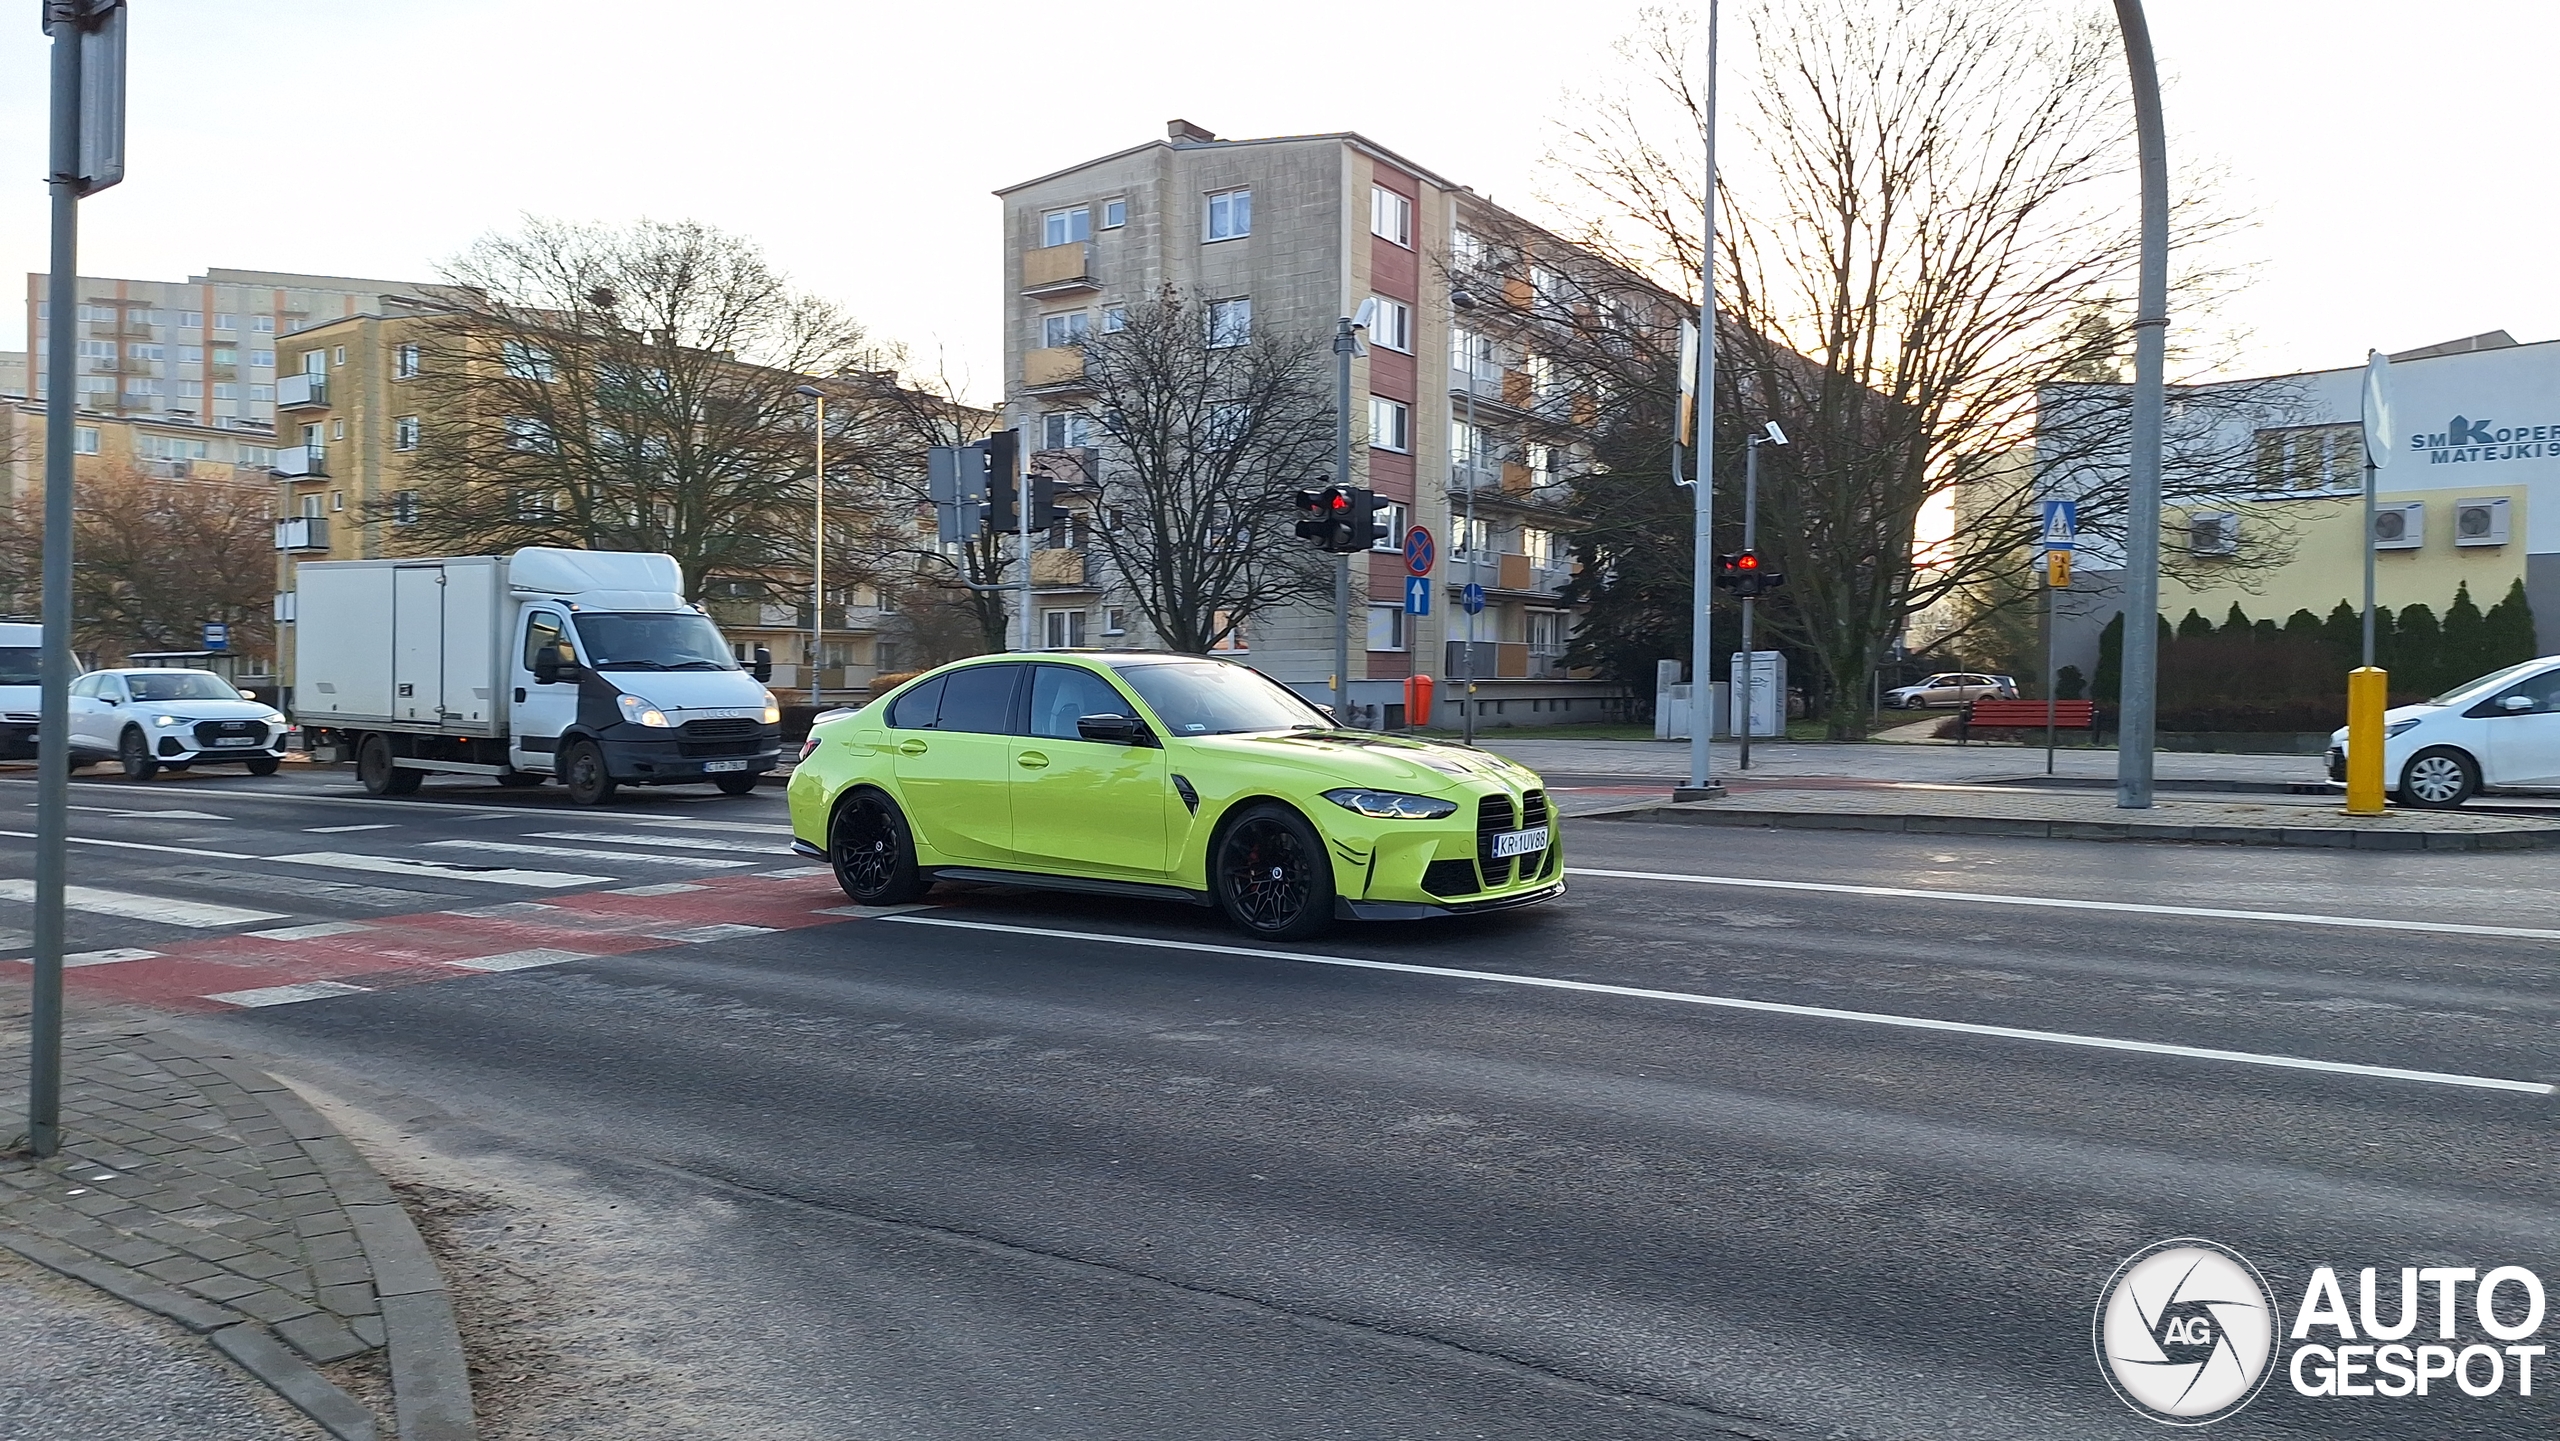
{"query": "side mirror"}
[(2516, 703), (546, 668), (762, 669), (1118, 729)]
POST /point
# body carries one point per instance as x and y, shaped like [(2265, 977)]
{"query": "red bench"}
[(2070, 715)]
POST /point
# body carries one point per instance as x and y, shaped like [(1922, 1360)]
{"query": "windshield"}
[(1212, 698), (640, 640), (18, 664), (149, 685), (2493, 678)]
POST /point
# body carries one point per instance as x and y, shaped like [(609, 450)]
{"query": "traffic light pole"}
[(1344, 344), (1750, 546), (1702, 689), (1475, 448)]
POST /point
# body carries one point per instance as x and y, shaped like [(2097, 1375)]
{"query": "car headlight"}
[(2396, 727), (640, 712), (165, 720), (772, 710), (1391, 805)]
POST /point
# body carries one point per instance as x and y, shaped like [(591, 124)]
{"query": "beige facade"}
[(2426, 562), (1334, 219)]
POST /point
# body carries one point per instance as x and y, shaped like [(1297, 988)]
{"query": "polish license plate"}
[(715, 767), (235, 740), (1519, 843)]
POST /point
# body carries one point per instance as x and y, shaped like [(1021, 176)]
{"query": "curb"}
[(2325, 837)]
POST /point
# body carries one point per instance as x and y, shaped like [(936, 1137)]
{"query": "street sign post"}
[(2061, 537), (2368, 686), (1417, 595)]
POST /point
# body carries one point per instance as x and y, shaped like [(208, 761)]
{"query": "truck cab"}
[(605, 697)]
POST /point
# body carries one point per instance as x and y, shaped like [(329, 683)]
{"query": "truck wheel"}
[(582, 770), (135, 754), (264, 766), (735, 785), (379, 775)]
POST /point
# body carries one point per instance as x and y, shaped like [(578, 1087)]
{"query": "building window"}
[(1115, 213), (191, 355), (263, 323), (1386, 627), (1470, 538), (191, 390), (262, 394), (1226, 425), (1392, 327), (338, 356), (1115, 318), (526, 433), (1390, 424), (225, 390), (532, 505), (141, 385), (404, 433), (226, 322), (1463, 343), (311, 506), (1115, 620), (337, 500), (226, 355), (1065, 430), (261, 455), (1064, 227), (98, 349), (1466, 251), (2311, 457), (146, 352), (404, 361), (191, 320), (404, 507), (1230, 215), (266, 358), (526, 361), (1392, 524), (1230, 323), (338, 429), (1065, 328), (1225, 624), (1062, 629), (1390, 216), (84, 440)]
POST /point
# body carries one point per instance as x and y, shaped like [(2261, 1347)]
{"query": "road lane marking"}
[(200, 915), (433, 870), (663, 888), (520, 960), (2139, 908), (342, 830), (150, 814), (667, 842), (287, 995), (720, 931), (777, 830), (109, 958), (570, 853), (1780, 1008), (311, 932)]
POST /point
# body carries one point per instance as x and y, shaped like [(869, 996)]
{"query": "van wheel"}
[(736, 785), (2439, 779), (582, 770), (379, 775), (264, 766), (134, 754)]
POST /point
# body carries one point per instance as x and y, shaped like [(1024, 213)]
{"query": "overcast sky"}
[(2397, 154)]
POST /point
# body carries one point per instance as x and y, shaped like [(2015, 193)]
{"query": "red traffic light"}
[(1746, 561), (1341, 501)]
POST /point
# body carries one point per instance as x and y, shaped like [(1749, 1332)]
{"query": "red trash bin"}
[(1417, 700)]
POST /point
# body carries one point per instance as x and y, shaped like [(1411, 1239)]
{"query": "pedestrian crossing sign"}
[(2061, 524)]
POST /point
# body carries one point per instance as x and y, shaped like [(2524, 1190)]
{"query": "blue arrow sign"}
[(1417, 595), (2061, 524), (1418, 553), (1474, 598)]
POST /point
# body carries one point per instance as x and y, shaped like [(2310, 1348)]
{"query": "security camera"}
[(1776, 436)]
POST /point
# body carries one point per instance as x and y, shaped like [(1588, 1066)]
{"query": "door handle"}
[(911, 748), (1032, 761), (519, 695)]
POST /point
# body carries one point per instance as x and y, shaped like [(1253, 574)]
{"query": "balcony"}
[(1494, 660), (1058, 567), (303, 532), (301, 392), (1056, 365), (1059, 269), (303, 460)]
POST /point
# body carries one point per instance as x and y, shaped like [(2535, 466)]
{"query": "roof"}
[(1343, 137)]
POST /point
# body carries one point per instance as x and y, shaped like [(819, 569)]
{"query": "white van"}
[(21, 656)]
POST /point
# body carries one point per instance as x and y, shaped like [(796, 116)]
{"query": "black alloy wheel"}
[(374, 768), (1272, 876), (735, 785), (264, 765), (873, 853), (583, 771), (134, 754)]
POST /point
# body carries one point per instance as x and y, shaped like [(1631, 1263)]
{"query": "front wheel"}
[(264, 766), (736, 785), (1272, 876), (134, 754), (2439, 779), (873, 852), (582, 770)]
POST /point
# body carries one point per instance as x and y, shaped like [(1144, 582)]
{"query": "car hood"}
[(1364, 759), (693, 694), (2393, 717), (207, 709)]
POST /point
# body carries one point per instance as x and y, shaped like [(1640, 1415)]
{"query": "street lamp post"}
[(1461, 300), (1702, 538), (2135, 727), (818, 554)]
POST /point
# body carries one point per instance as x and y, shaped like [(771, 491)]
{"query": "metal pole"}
[(818, 567), (2134, 729), (2050, 677), (53, 726), (1750, 540), (1475, 445), (2368, 563), (1343, 345), (1702, 690)]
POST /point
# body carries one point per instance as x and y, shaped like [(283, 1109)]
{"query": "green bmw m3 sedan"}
[(1164, 776)]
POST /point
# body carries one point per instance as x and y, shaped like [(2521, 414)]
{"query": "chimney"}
[(1182, 132)]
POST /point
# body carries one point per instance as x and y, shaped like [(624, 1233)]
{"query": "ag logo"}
[(2185, 1332)]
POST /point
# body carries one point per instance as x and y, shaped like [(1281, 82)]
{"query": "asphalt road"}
[(996, 1168)]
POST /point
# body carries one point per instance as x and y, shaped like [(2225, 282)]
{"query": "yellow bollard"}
[(2368, 692)]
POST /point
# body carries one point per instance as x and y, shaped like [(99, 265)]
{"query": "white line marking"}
[(670, 842), (796, 873), (873, 913), (142, 846), (664, 888), (771, 831), (1735, 1003), (431, 870), (696, 935), (343, 830), (520, 960), (107, 958), (2434, 928), (200, 915), (287, 995), (148, 814), (311, 932), (509, 908), (570, 853)]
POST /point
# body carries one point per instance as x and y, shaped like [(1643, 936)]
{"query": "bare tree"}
[(1928, 224), (626, 389), (154, 560), (1206, 428), (892, 424)]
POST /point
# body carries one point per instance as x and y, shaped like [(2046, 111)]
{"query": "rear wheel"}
[(2439, 779), (873, 852), (134, 754), (379, 775), (264, 766), (582, 770), (736, 785), (1271, 874)]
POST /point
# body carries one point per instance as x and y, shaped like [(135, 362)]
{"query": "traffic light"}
[(1742, 573), (1315, 516), (1001, 469), (1364, 529)]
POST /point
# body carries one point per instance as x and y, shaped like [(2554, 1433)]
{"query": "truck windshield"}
[(178, 685), (18, 664), (641, 640)]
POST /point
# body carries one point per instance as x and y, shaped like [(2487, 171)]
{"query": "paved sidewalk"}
[(200, 1189), (1943, 764)]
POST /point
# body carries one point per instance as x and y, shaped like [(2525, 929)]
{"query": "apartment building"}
[(1295, 232), (204, 349)]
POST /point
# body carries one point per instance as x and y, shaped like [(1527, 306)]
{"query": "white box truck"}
[(585, 665)]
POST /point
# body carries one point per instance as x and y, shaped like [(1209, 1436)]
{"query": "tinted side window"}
[(1060, 694), (916, 707), (980, 699)]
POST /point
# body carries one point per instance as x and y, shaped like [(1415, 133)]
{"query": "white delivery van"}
[(585, 665), (21, 655)]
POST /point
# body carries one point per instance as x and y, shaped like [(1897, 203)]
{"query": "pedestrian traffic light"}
[(1315, 516), (1364, 529), (1742, 573)]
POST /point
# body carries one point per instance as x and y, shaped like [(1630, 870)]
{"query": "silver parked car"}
[(1951, 688)]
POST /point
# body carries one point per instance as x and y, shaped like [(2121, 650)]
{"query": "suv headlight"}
[(165, 720), (1391, 805), (640, 712)]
